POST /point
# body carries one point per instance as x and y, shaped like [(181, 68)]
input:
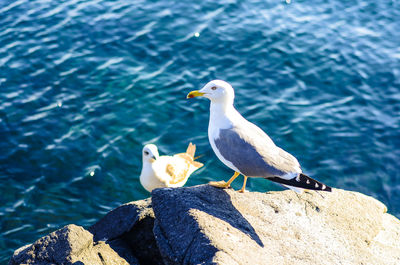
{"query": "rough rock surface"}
[(206, 225), (131, 225), (69, 245), (123, 236)]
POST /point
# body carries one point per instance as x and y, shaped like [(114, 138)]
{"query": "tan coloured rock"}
[(341, 227)]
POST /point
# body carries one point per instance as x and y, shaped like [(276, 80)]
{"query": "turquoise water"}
[(85, 84)]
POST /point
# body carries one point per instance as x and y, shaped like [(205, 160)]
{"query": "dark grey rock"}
[(142, 242), (131, 225), (69, 245), (123, 236), (177, 230), (121, 220)]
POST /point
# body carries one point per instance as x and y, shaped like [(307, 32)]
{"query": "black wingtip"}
[(303, 181)]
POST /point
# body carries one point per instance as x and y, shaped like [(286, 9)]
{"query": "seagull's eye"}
[(146, 153), (214, 87)]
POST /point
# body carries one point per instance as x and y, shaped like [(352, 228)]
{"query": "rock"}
[(207, 225), (132, 226), (123, 236), (121, 220), (69, 245)]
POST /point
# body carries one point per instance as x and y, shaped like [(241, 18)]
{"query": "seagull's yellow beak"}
[(194, 94)]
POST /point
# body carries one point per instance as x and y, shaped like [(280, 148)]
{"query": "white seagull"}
[(245, 148), (167, 171)]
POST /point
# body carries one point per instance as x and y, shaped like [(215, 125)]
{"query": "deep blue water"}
[(85, 84)]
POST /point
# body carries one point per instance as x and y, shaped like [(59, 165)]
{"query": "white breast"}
[(220, 119), (148, 178)]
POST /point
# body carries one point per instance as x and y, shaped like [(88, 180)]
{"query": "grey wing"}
[(273, 155), (253, 152), (286, 162)]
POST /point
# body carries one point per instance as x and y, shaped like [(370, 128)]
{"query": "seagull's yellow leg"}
[(223, 184), (244, 184)]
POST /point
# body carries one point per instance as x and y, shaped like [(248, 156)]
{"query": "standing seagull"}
[(245, 148), (167, 171)]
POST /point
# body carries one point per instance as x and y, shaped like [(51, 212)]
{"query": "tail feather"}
[(189, 155), (197, 164), (191, 149), (197, 157), (302, 181)]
